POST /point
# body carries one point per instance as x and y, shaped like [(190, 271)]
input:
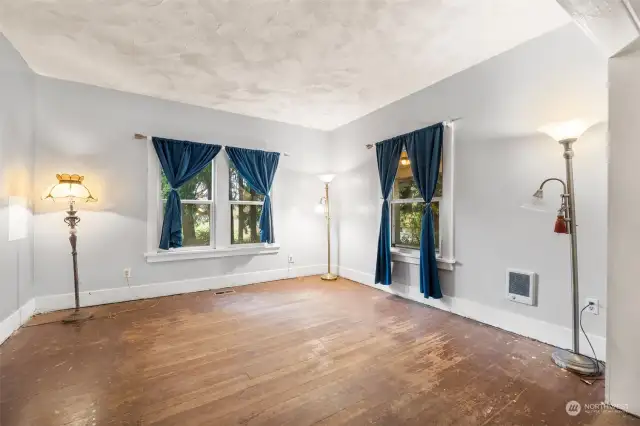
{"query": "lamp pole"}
[(573, 231), (327, 214), (72, 220), (572, 359)]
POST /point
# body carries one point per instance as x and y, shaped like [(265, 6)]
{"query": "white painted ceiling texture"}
[(315, 63)]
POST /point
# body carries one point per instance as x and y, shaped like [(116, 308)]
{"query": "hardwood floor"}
[(293, 352)]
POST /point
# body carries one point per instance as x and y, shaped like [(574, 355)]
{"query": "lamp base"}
[(76, 317), (577, 363), (329, 277)]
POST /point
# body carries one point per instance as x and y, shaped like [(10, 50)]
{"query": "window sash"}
[(212, 209), (414, 200), (164, 200), (240, 203), (243, 203), (411, 201), (438, 200), (249, 203)]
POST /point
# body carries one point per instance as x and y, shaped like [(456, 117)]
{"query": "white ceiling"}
[(316, 63), (609, 23)]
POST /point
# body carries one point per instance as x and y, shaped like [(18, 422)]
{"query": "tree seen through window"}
[(407, 207), (196, 205)]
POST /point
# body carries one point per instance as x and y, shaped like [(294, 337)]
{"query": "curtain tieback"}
[(174, 189)]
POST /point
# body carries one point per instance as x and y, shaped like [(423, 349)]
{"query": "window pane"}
[(244, 223), (196, 224), (199, 187), (435, 208), (404, 187), (239, 189), (407, 220)]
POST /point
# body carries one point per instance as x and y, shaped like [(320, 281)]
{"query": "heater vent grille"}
[(521, 286)]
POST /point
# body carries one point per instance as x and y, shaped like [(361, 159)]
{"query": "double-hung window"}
[(220, 213), (407, 206), (246, 208), (197, 207)]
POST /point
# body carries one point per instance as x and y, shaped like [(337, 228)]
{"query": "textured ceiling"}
[(316, 63), (609, 23)]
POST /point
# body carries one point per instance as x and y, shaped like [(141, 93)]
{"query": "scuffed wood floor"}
[(293, 352)]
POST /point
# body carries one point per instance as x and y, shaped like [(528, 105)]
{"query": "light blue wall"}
[(500, 159), (16, 170), (89, 130)]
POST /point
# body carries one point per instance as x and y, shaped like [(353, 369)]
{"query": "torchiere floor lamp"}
[(323, 207), (567, 134), (71, 188)]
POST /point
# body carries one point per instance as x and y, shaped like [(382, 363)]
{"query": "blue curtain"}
[(180, 161), (258, 168), (424, 149), (388, 154)]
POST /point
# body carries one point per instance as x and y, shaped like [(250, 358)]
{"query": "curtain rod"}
[(148, 138), (453, 120)]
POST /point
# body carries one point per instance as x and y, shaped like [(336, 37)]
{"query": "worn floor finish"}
[(294, 352)]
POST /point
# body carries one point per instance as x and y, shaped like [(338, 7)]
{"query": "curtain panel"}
[(180, 161), (424, 149), (388, 156), (258, 168)]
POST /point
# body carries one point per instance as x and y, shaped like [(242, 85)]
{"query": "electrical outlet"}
[(593, 306), (290, 258), (127, 272)]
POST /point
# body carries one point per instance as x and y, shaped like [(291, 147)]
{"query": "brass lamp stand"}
[(71, 188), (72, 220), (324, 202)]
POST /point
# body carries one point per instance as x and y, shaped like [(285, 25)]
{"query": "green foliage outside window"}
[(196, 218), (407, 217), (244, 217)]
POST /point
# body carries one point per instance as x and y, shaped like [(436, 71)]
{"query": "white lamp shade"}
[(537, 205), (326, 178), (566, 130)]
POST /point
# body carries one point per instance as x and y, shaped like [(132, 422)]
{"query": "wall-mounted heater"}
[(521, 286)]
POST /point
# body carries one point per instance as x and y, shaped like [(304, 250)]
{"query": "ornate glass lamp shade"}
[(70, 187)]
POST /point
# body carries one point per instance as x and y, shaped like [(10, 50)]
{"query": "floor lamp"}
[(567, 134), (70, 188), (323, 207)]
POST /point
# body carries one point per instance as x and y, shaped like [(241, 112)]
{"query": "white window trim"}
[(220, 244), (446, 255), (206, 253)]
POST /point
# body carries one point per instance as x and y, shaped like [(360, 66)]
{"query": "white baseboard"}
[(16, 319), (553, 334), (122, 294)]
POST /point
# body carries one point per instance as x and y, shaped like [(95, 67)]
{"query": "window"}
[(220, 213), (407, 206), (197, 206), (246, 207)]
